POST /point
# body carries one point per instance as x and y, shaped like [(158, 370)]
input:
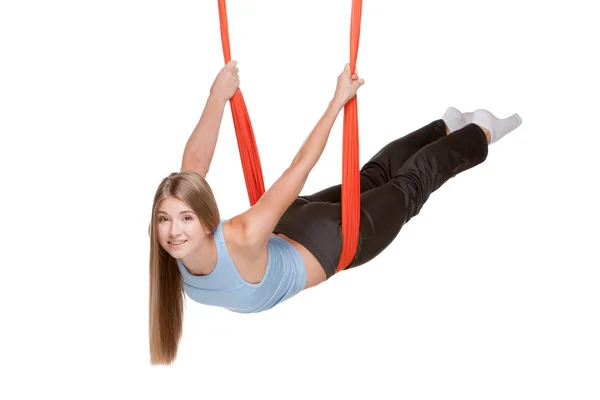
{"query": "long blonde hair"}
[(166, 284)]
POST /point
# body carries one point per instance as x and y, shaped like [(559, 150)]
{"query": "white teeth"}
[(178, 242)]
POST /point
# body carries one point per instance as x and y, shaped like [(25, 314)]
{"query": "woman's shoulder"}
[(249, 257), (236, 237), (235, 233)]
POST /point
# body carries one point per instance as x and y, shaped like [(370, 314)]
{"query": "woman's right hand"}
[(227, 82), (347, 86)]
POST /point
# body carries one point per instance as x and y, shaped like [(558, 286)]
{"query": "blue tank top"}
[(285, 277)]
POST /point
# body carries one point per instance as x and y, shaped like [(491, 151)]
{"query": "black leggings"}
[(394, 185)]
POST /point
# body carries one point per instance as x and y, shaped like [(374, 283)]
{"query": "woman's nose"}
[(175, 230)]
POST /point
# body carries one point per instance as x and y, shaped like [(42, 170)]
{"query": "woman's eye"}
[(186, 218)]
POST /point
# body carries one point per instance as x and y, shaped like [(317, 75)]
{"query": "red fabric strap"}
[(350, 155)]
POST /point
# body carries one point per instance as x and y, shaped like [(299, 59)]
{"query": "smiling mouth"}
[(178, 243)]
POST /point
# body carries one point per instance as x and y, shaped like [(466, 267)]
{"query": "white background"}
[(491, 292)]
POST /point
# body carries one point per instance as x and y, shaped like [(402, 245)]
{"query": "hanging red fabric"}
[(350, 156), (251, 166)]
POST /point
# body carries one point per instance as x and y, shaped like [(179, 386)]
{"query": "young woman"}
[(286, 242)]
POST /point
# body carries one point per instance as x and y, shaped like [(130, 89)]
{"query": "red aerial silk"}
[(350, 156)]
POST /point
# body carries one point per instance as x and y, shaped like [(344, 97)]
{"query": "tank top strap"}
[(218, 234)]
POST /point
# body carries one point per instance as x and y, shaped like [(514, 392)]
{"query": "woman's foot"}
[(453, 119), (494, 128)]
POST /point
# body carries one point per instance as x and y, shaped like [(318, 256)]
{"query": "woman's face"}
[(176, 222)]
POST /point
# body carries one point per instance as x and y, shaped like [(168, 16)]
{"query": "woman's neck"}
[(203, 261)]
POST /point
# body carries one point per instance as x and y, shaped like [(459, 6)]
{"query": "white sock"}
[(468, 116), (453, 119), (497, 127)]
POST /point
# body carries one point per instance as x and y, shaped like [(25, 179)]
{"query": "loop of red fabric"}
[(350, 155), (251, 165)]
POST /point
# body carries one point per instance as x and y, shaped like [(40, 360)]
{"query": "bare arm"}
[(312, 148), (200, 147), (259, 221)]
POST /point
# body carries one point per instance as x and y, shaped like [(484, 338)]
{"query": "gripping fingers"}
[(233, 65)]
